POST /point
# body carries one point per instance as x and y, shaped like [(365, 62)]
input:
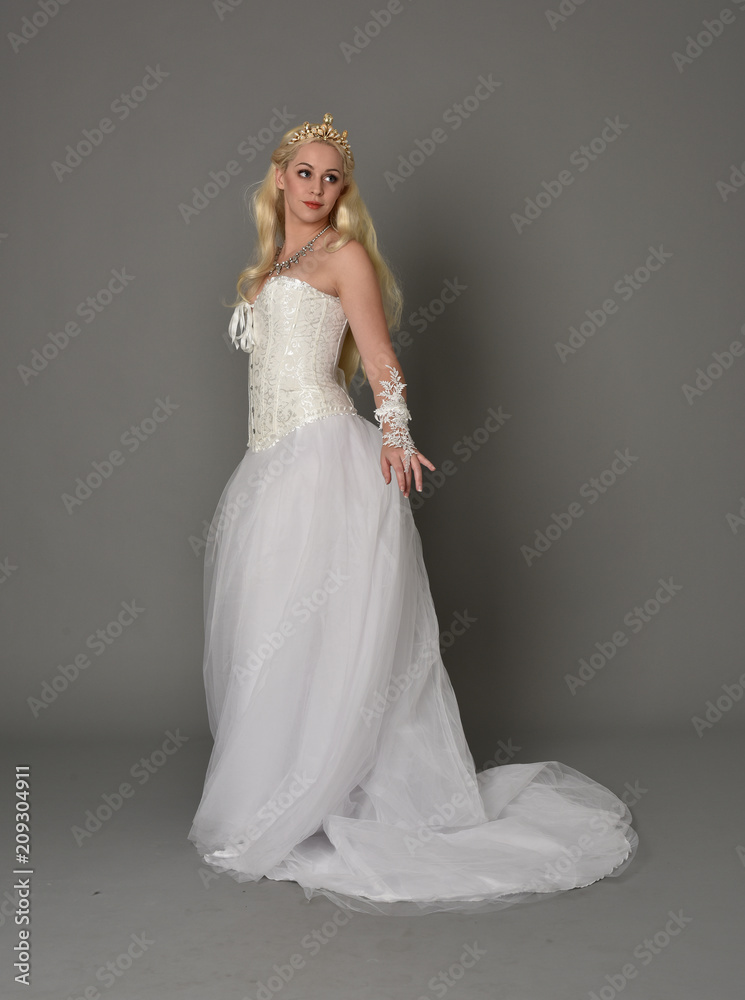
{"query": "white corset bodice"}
[(293, 334)]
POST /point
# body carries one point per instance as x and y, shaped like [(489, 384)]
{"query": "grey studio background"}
[(560, 189)]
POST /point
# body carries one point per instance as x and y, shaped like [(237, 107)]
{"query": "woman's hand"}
[(393, 458)]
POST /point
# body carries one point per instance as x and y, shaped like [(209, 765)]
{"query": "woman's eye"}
[(329, 177)]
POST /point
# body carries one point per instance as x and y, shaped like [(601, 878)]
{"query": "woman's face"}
[(312, 182)]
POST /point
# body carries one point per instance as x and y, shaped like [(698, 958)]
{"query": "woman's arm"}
[(359, 294)]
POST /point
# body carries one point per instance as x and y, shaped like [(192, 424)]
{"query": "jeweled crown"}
[(325, 130)]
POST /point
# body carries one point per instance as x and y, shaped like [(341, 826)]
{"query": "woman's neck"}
[(298, 234)]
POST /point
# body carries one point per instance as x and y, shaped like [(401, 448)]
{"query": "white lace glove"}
[(394, 411)]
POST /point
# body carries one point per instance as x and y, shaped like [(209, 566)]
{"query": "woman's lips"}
[(312, 204)]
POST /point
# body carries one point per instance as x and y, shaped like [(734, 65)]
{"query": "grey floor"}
[(137, 884)]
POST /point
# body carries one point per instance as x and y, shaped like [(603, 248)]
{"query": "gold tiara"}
[(325, 131)]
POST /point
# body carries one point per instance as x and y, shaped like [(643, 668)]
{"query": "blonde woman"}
[(339, 757)]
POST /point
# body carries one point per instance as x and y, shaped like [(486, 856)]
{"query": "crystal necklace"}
[(308, 248)]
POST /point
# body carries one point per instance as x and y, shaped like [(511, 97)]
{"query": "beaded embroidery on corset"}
[(297, 333)]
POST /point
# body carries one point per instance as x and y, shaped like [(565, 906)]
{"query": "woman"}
[(340, 760)]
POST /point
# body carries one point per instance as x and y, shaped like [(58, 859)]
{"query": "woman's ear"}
[(279, 178)]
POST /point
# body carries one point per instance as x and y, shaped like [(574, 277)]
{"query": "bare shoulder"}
[(352, 265)]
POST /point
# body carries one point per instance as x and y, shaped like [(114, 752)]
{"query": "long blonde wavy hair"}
[(351, 220)]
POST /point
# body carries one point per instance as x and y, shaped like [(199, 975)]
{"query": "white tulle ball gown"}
[(339, 757)]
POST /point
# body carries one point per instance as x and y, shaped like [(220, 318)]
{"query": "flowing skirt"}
[(339, 759)]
